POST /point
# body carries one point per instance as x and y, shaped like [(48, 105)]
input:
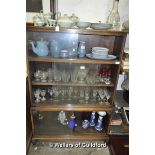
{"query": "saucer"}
[(109, 57)]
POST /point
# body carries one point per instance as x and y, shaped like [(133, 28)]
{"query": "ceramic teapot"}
[(41, 49), (74, 18)]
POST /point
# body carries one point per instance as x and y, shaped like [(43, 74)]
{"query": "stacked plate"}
[(100, 53)]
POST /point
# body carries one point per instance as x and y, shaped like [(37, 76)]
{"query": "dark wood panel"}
[(72, 84), (76, 61), (79, 31), (84, 137), (69, 107), (119, 145)]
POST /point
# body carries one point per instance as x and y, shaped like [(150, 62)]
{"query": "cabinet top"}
[(30, 27)]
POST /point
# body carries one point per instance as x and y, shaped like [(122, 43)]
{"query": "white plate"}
[(109, 57)]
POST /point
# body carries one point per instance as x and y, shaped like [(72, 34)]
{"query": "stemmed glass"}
[(75, 92), (94, 95), (43, 93), (81, 95), (37, 95), (50, 91), (56, 93), (87, 94), (44, 76), (70, 93), (63, 93), (37, 75)]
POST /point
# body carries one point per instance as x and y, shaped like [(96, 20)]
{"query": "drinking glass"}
[(57, 75), (65, 76), (73, 76), (50, 75), (82, 73)]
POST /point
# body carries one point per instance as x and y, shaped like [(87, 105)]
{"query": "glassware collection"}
[(79, 74), (75, 95)]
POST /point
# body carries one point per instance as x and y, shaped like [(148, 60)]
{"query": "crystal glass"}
[(114, 17), (37, 95), (50, 75), (82, 73), (37, 75), (43, 93), (44, 76), (57, 76), (75, 93), (70, 92), (81, 95), (50, 91), (56, 93), (73, 76), (87, 94), (65, 76), (63, 93)]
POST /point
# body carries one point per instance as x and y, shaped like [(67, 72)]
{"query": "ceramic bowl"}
[(39, 23), (83, 25), (65, 24), (64, 54), (100, 26)]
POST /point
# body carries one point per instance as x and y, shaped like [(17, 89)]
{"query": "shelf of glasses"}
[(71, 107), (77, 61), (71, 84)]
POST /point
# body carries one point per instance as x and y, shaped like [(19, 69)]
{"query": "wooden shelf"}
[(71, 107), (76, 61), (76, 31), (98, 136), (71, 84)]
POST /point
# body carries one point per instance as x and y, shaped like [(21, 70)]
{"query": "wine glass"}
[(37, 95), (50, 91), (43, 93)]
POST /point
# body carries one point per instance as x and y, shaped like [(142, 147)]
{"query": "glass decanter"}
[(114, 17)]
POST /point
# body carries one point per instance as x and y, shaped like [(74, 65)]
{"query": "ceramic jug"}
[(41, 49)]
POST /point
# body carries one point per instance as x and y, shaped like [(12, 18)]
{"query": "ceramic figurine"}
[(100, 119), (72, 123), (85, 124), (92, 119), (62, 118)]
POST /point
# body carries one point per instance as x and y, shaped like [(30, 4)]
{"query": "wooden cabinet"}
[(47, 126), (119, 145)]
